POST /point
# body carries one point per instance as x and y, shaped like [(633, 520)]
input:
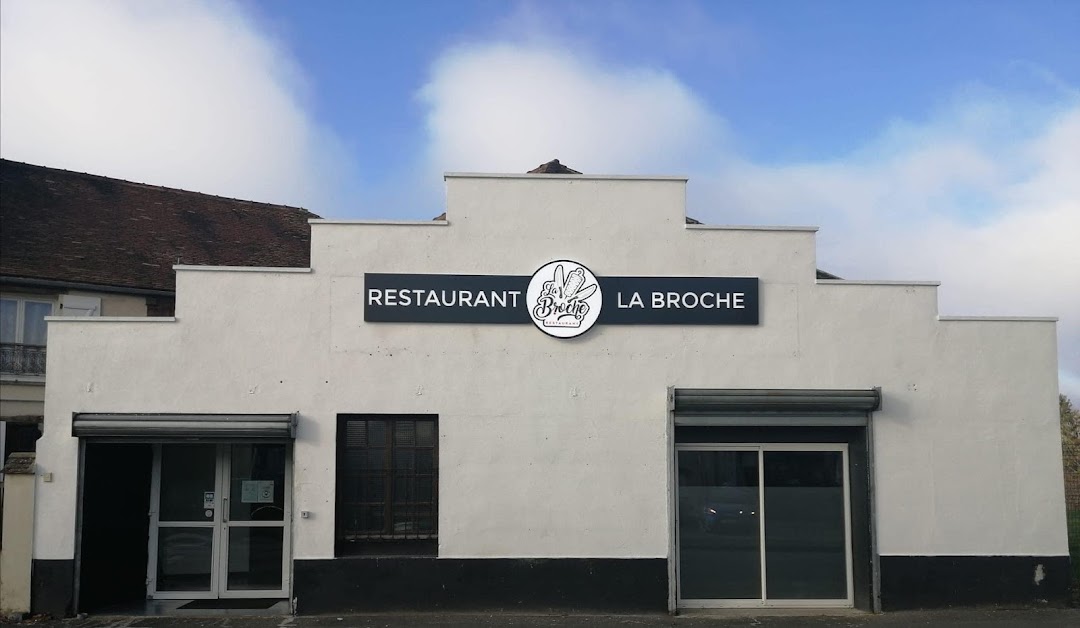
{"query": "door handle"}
[(225, 509)]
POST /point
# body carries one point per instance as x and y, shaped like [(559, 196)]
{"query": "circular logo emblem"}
[(564, 299)]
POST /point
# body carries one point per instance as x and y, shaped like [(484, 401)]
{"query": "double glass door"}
[(763, 525), (219, 521)]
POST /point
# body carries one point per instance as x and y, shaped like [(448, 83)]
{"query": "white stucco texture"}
[(558, 448)]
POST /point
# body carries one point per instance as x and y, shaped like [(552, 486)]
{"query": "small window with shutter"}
[(387, 485)]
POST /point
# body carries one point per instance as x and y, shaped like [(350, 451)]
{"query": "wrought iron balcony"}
[(18, 359)]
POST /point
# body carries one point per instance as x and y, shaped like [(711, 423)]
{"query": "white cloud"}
[(997, 222), (981, 195), (501, 107), (182, 94)]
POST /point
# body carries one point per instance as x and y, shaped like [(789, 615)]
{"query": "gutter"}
[(91, 287)]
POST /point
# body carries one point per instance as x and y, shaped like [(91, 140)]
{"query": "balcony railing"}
[(17, 359)]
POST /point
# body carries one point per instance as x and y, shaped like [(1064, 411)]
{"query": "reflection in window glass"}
[(805, 540), (9, 311), (187, 474), (255, 556), (184, 559), (719, 525), (34, 327), (257, 485)]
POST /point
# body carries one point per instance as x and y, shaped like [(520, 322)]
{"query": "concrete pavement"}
[(969, 618)]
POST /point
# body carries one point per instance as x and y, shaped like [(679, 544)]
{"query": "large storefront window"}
[(387, 484)]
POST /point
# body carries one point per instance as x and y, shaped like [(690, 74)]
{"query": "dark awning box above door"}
[(184, 426), (776, 407)]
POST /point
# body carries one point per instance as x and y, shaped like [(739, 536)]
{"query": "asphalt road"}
[(997, 618)]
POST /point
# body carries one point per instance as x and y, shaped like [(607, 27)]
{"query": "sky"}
[(928, 140)]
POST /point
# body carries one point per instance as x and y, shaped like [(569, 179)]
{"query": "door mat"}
[(230, 603)]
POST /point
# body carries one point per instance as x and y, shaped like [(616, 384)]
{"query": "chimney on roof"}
[(552, 167)]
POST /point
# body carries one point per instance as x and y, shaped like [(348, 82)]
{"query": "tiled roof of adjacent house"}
[(67, 226), (552, 167)]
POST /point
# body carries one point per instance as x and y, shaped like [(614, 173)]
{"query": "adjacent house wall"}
[(18, 526), (21, 399), (25, 395)]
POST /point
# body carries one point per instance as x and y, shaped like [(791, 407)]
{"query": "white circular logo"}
[(564, 299)]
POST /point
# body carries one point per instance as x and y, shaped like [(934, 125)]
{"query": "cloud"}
[(994, 215), (981, 194), (182, 94), (502, 107)]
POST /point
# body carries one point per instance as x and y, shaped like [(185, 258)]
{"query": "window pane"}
[(9, 309), (356, 434), (257, 485), (360, 461), (187, 474), (404, 460), (719, 525), (184, 559), (255, 558), (423, 518), (376, 433), (425, 461), (403, 490), (372, 518), (424, 489), (405, 433), (405, 519), (804, 525), (373, 488), (425, 433), (34, 327)]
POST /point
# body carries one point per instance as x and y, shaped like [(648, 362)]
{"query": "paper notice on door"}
[(257, 491)]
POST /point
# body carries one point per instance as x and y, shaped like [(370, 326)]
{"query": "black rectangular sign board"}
[(501, 299), (679, 300), (479, 299)]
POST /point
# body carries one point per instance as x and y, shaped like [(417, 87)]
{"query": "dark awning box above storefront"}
[(779, 407), (149, 427)]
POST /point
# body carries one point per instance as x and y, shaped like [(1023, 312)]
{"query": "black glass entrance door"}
[(719, 525), (761, 525)]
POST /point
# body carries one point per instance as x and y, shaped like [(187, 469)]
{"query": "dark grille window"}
[(387, 484)]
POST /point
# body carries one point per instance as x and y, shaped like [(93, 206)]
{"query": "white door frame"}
[(764, 601), (225, 465), (221, 527)]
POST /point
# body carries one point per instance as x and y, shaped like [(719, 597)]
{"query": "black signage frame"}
[(500, 300)]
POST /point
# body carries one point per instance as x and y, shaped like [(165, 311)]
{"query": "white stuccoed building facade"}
[(564, 473)]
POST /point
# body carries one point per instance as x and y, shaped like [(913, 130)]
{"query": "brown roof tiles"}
[(67, 226)]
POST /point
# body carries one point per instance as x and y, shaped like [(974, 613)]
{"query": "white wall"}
[(552, 448)]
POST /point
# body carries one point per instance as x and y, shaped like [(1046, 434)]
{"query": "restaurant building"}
[(561, 395)]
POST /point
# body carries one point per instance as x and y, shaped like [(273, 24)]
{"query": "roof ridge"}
[(151, 186)]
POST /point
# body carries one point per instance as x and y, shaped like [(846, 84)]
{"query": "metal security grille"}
[(387, 481)]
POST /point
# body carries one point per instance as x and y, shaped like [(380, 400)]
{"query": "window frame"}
[(20, 334), (388, 543), (20, 315)]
